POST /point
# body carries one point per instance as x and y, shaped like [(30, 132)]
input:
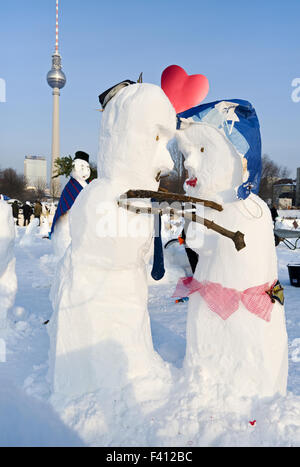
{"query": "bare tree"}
[(13, 184), (271, 172), (55, 189), (40, 188)]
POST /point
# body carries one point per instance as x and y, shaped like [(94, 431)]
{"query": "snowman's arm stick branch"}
[(236, 237), (164, 196)]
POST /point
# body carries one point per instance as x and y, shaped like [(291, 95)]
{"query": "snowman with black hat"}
[(60, 232)]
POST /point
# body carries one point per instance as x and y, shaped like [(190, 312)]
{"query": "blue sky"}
[(247, 50)]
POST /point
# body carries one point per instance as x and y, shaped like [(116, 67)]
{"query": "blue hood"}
[(239, 121)]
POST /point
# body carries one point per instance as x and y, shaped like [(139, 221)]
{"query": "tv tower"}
[(56, 80)]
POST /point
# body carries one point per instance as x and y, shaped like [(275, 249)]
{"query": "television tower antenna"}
[(56, 80), (56, 32)]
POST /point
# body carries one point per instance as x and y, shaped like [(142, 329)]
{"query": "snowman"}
[(236, 332), (60, 231), (100, 332), (8, 279)]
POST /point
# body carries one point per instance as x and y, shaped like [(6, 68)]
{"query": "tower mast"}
[(56, 80), (56, 29)]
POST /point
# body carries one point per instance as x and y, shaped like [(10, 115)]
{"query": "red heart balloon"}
[(184, 91)]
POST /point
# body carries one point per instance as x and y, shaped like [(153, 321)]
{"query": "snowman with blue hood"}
[(236, 332)]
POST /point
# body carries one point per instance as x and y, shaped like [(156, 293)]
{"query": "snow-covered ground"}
[(289, 213), (183, 418), (288, 219)]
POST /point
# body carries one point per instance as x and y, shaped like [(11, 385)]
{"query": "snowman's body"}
[(241, 354), (8, 279), (100, 330), (61, 238)]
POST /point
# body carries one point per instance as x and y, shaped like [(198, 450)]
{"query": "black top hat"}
[(107, 95), (81, 155)]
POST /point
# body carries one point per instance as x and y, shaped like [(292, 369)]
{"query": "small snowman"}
[(236, 331), (60, 231)]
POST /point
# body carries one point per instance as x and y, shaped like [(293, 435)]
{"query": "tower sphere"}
[(56, 77)]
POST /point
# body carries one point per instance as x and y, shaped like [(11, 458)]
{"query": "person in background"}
[(38, 211), (27, 212), (274, 213), (15, 210)]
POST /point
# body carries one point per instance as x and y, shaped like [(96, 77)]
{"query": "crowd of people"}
[(28, 210)]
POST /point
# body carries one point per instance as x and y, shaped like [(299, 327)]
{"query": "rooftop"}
[(38, 158)]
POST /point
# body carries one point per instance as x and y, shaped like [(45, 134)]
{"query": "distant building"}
[(284, 193), (35, 171)]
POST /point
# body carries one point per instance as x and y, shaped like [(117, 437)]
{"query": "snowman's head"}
[(236, 119), (212, 162), (81, 169), (137, 124)]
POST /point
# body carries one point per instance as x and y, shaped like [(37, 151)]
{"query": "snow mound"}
[(28, 422), (8, 279), (31, 232)]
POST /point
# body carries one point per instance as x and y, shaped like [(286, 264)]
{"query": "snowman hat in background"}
[(82, 155), (237, 119)]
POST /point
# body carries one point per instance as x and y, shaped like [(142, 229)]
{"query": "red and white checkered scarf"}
[(225, 301)]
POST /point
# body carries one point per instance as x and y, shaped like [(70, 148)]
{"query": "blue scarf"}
[(67, 199)]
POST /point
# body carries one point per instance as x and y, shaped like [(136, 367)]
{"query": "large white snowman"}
[(8, 279), (236, 336), (100, 330)]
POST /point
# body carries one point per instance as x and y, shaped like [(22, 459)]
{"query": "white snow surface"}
[(98, 354), (184, 418)]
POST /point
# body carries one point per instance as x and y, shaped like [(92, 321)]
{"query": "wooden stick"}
[(163, 196), (164, 190), (236, 237)]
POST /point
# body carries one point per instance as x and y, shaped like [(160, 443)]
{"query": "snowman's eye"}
[(202, 149)]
